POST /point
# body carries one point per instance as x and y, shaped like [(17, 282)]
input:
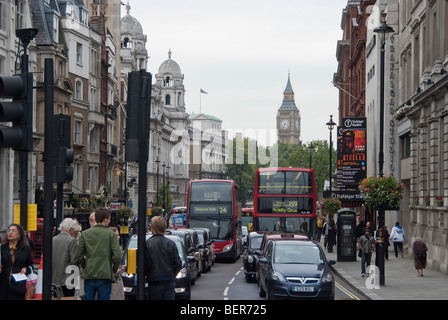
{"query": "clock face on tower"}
[(297, 124), (284, 124)]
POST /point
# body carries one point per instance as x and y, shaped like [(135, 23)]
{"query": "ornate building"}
[(288, 118)]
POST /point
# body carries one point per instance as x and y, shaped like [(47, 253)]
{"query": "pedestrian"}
[(64, 255), (398, 237), (331, 235), (360, 229), (420, 254), (325, 232), (367, 245), (99, 255), (320, 225), (386, 242), (17, 262), (117, 292), (92, 221), (162, 262)]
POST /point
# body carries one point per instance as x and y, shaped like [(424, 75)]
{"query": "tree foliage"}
[(289, 155)]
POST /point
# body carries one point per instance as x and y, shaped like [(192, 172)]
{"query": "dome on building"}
[(130, 25), (170, 66)]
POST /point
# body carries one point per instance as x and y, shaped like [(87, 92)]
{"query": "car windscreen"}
[(297, 253)]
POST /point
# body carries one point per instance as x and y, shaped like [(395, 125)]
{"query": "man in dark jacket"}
[(162, 262)]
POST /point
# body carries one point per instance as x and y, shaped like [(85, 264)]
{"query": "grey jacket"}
[(64, 254)]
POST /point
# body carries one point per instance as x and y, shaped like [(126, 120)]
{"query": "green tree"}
[(165, 199), (242, 167), (320, 161)]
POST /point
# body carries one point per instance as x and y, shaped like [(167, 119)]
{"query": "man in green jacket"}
[(99, 255)]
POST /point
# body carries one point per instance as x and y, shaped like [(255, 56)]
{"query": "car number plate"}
[(302, 289)]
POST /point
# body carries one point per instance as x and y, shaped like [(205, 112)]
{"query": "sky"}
[(241, 51)]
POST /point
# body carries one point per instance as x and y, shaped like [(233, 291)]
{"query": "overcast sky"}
[(240, 53)]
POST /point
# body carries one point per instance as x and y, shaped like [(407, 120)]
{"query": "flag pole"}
[(200, 101)]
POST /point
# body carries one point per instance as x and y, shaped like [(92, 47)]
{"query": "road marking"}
[(226, 290), (348, 293)]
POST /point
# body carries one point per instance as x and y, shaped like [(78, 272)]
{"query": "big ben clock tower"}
[(288, 118)]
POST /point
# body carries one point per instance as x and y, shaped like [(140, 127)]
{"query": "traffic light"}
[(65, 155), (138, 111), (131, 145), (19, 111)]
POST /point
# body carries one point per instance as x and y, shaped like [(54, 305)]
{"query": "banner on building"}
[(351, 152)]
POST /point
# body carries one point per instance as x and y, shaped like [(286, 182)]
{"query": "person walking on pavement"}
[(325, 232), (162, 262), (367, 245), (65, 245), (386, 242), (331, 235), (398, 237), (420, 253), (320, 225), (16, 261), (99, 255)]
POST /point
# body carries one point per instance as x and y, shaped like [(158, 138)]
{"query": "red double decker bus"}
[(215, 204), (285, 201)]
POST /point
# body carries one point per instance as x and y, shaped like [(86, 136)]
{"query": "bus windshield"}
[(221, 229), (285, 182), (211, 192), (286, 224)]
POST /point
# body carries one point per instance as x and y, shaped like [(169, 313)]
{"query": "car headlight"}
[(182, 273), (277, 276), (227, 247), (250, 259), (327, 277)]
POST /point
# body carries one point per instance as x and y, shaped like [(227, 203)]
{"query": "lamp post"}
[(163, 186), (167, 188), (381, 30), (311, 147), (330, 124), (157, 181)]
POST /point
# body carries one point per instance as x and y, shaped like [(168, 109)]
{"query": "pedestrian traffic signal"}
[(19, 110), (64, 155)]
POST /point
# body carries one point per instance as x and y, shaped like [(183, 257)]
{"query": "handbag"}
[(17, 287), (421, 255), (31, 286)]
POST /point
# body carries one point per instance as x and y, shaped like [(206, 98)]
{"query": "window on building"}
[(55, 28), (77, 134), (2, 7), (405, 146), (19, 14), (167, 99), (78, 90), (79, 53)]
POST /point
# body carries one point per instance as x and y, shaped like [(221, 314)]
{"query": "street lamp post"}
[(311, 147), (381, 30), (157, 181), (330, 124), (163, 184), (167, 188)]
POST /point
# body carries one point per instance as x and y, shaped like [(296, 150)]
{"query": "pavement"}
[(400, 280)]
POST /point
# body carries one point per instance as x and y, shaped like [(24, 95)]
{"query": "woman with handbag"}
[(17, 262), (420, 251)]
